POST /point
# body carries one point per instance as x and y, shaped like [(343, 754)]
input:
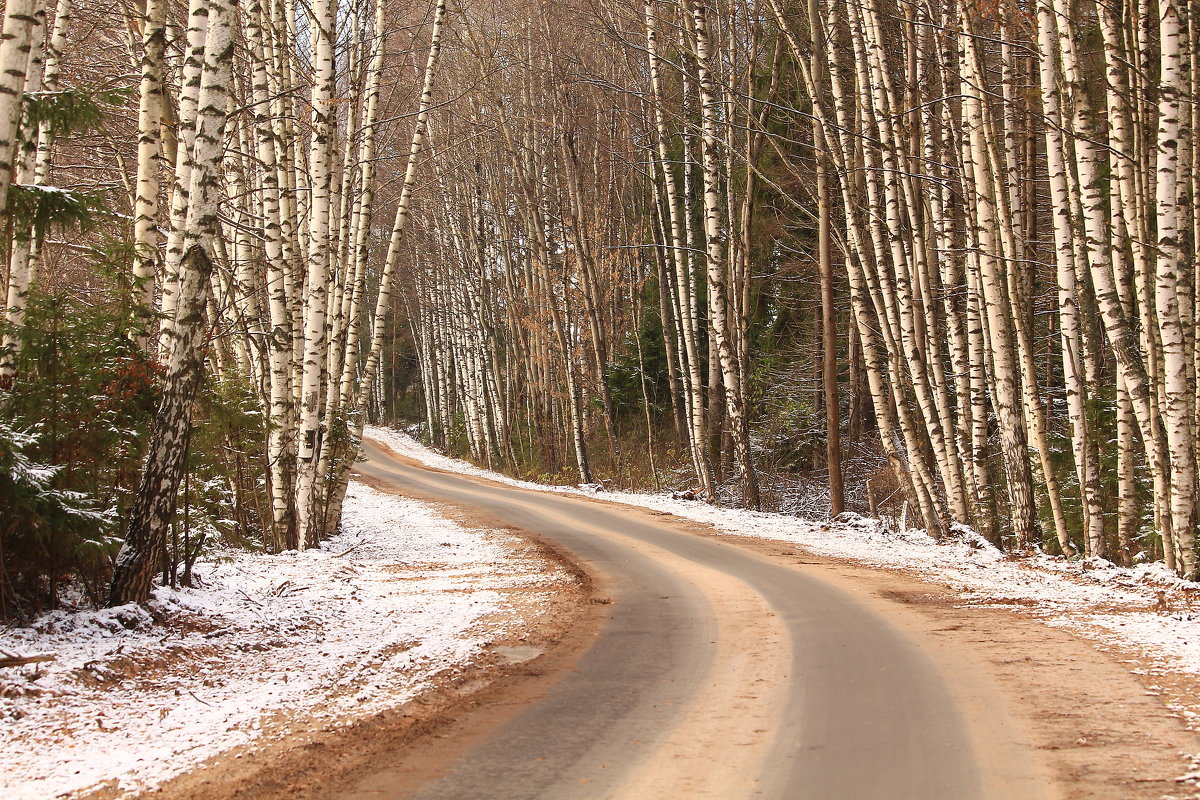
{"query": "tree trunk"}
[(166, 461)]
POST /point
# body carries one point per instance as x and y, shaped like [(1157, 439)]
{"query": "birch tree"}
[(154, 505)]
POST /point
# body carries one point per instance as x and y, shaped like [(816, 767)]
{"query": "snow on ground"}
[(365, 623), (1116, 606)]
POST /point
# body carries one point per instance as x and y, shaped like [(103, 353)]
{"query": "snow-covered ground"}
[(365, 623), (1115, 606)]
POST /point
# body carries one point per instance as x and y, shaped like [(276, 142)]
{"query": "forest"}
[(929, 261)]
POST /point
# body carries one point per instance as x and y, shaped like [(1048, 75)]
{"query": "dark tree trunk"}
[(829, 370), (166, 460)]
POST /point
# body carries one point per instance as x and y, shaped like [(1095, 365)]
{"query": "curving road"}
[(719, 673)]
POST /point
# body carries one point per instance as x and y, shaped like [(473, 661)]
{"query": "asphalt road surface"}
[(718, 673)]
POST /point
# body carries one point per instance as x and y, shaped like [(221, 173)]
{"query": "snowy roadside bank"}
[(1145, 610), (402, 596)]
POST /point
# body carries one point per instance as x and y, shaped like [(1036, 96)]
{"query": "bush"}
[(46, 533), (72, 443)]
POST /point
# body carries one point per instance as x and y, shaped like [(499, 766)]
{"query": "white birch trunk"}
[(151, 96), (715, 263), (20, 271), (1177, 381), (311, 430), (154, 504)]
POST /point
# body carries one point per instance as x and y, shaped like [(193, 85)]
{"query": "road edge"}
[(319, 760)]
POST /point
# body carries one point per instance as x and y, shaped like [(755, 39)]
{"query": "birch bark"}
[(316, 293), (154, 503), (148, 256), (1176, 386), (716, 269)]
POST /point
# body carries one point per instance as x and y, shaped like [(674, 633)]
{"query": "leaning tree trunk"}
[(339, 482), (166, 462), (191, 77)]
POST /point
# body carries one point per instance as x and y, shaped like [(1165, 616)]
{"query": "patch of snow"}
[(362, 624)]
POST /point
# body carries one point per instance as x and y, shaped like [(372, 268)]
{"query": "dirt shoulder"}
[(297, 757), (1099, 718)]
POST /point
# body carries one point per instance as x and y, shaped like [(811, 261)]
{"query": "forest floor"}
[(292, 648)]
